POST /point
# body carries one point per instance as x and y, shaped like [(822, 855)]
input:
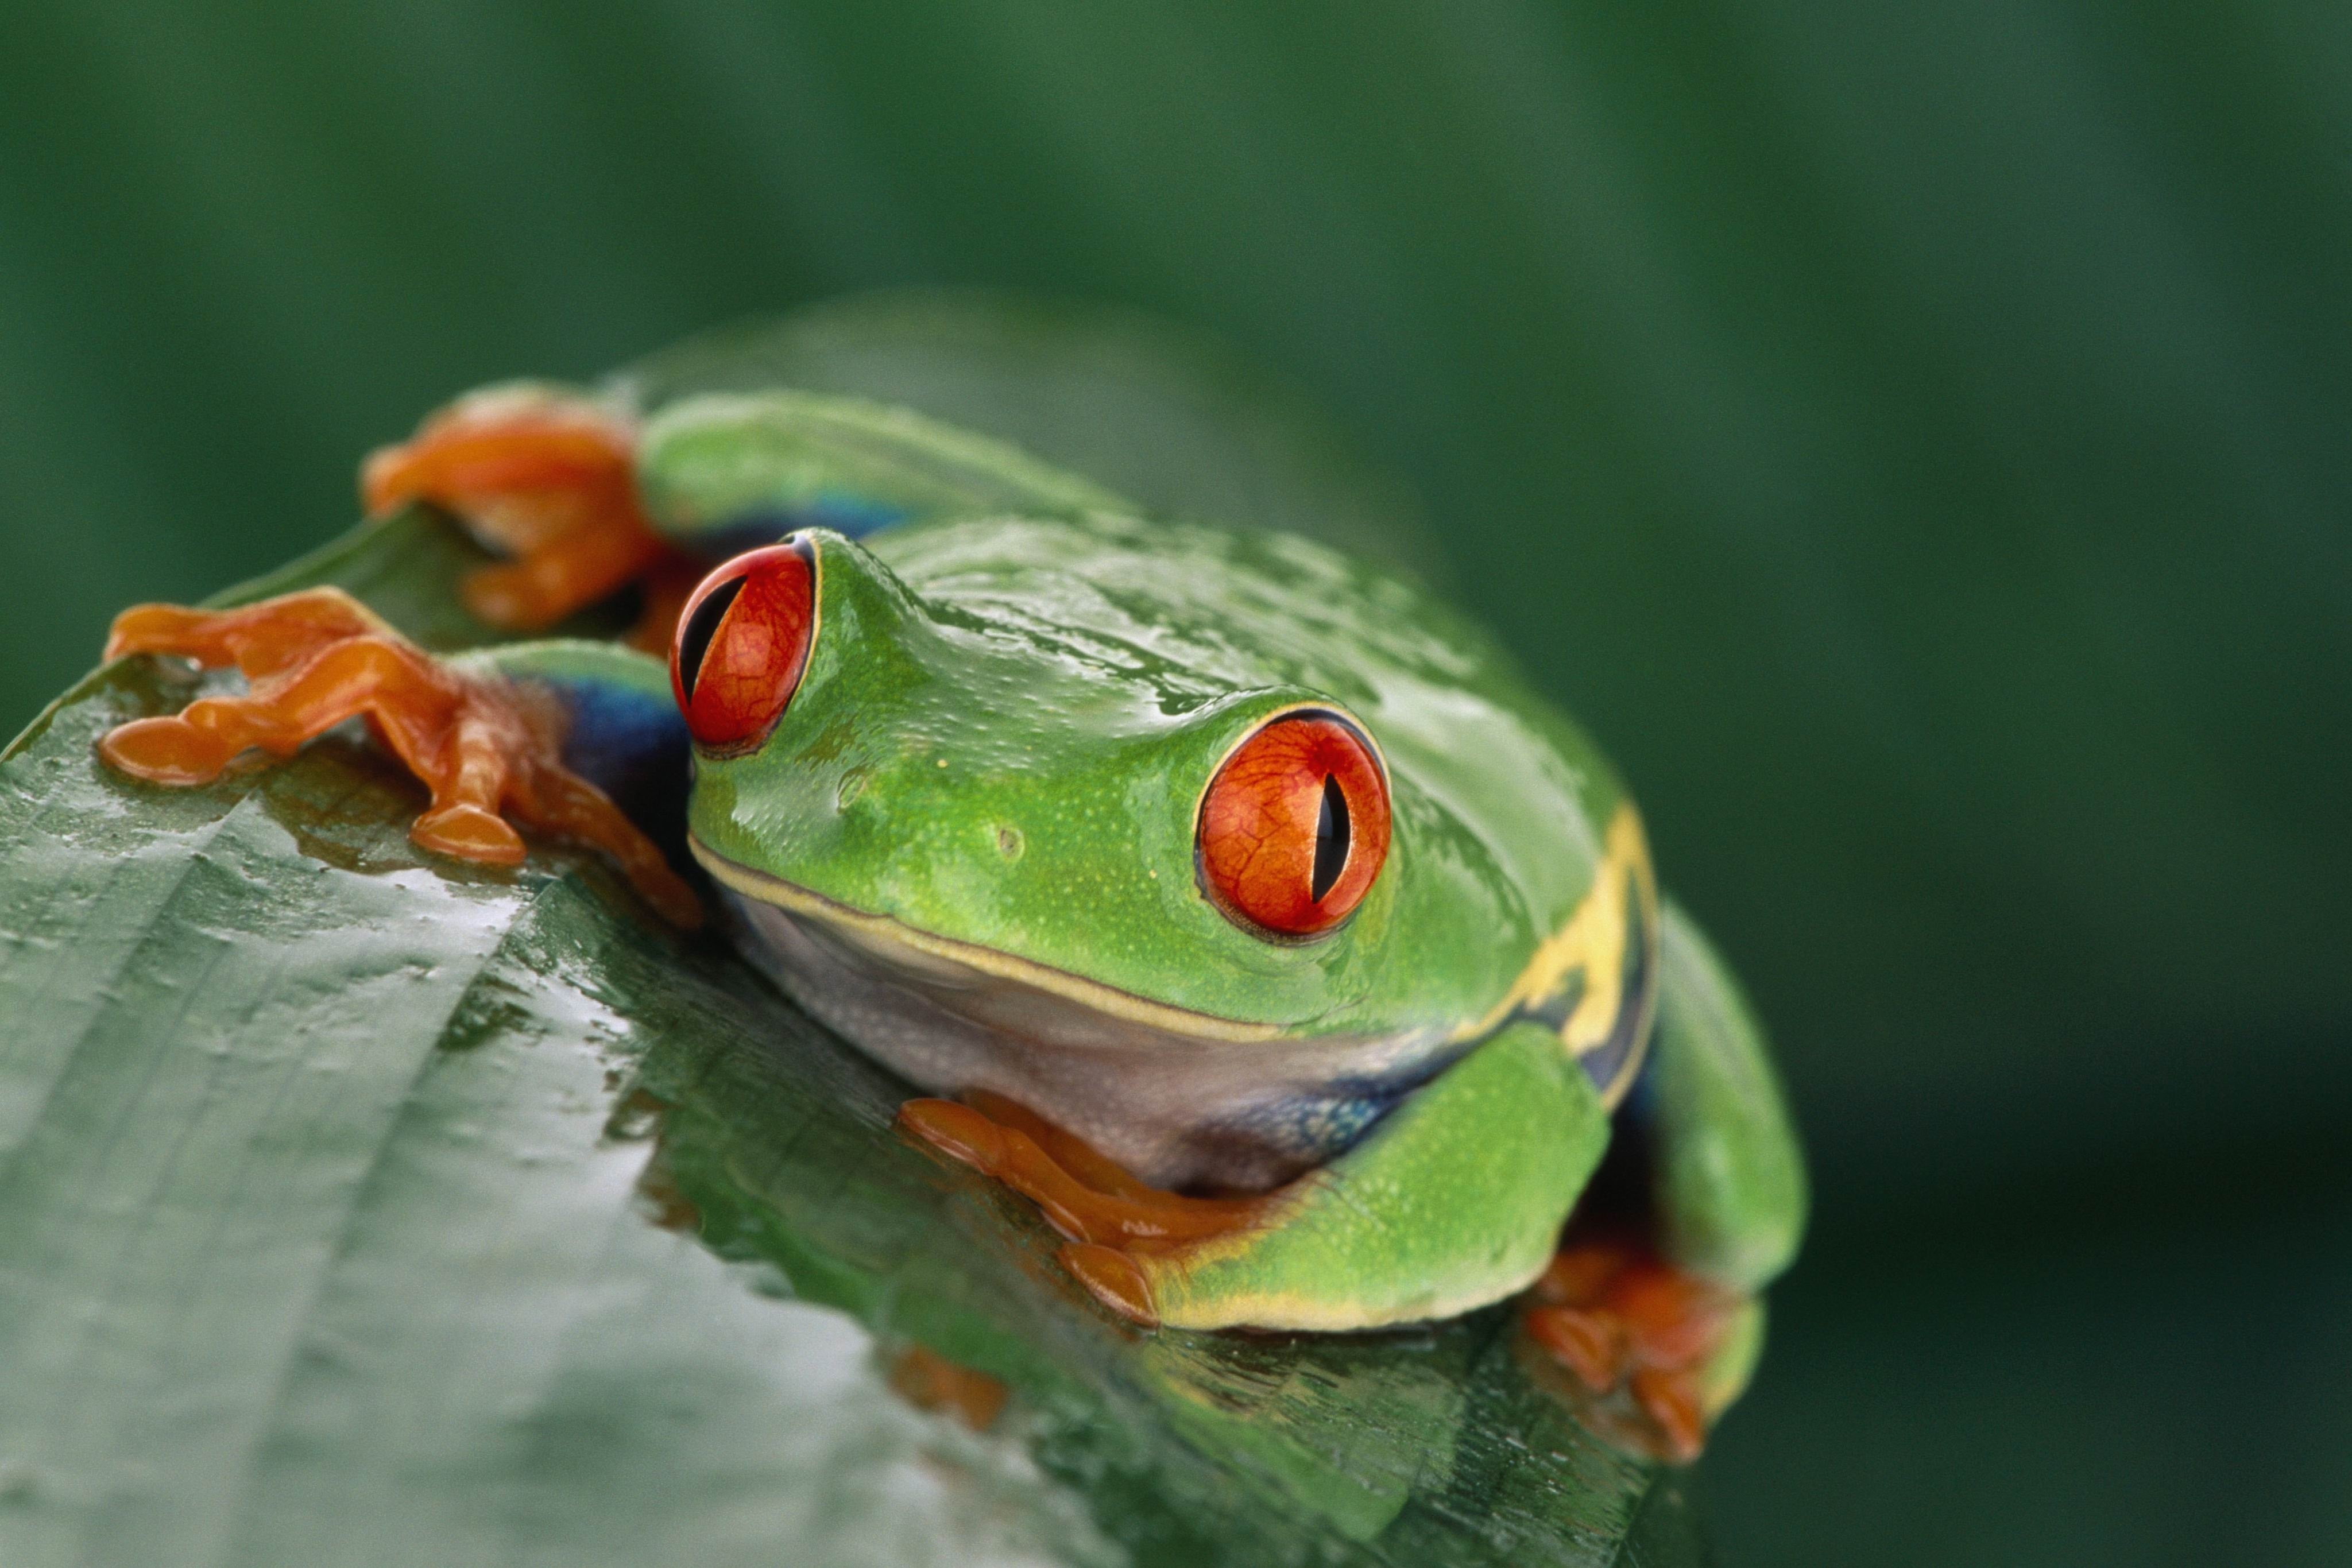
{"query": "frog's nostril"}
[(742, 644)]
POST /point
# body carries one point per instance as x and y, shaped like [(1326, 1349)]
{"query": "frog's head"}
[(1031, 828)]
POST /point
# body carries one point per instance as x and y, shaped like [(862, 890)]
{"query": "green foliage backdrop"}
[(1913, 436)]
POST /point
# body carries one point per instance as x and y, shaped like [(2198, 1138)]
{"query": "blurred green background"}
[(1913, 437)]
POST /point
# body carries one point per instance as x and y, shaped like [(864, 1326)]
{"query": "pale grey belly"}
[(1177, 1112)]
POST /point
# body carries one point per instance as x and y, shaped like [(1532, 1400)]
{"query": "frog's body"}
[(973, 841), (1034, 897)]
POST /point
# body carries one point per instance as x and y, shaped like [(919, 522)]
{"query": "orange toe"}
[(168, 750), (1114, 1281), (957, 1130), (470, 833), (1673, 1318), (172, 627), (505, 441), (1672, 1400), (1577, 1275), (1590, 1344)]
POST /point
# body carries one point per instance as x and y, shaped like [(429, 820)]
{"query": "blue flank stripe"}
[(616, 730), (1316, 1128)]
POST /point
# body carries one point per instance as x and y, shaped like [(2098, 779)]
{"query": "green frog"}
[(1228, 896)]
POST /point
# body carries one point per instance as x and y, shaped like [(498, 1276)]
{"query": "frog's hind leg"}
[(549, 476), (489, 736), (1626, 1321), (1655, 1294)]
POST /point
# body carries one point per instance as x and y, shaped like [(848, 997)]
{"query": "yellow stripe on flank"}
[(1591, 943)]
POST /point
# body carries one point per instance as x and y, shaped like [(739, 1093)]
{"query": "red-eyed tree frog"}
[(1229, 897)]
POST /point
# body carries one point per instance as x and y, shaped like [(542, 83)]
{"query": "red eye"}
[(1295, 826), (741, 645)]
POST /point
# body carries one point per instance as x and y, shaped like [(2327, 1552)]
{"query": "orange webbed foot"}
[(550, 478), (1106, 1214), (487, 749), (1624, 1321)]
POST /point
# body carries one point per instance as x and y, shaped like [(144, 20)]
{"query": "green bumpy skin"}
[(1730, 1187), (992, 770)]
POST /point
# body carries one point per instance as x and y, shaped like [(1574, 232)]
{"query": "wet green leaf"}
[(359, 1208)]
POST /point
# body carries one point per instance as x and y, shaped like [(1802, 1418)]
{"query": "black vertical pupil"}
[(1332, 833), (700, 627)]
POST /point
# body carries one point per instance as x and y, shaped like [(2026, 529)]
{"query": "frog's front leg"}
[(1083, 1193), (587, 499), (513, 734), (1664, 1302), (1454, 1200), (548, 477)]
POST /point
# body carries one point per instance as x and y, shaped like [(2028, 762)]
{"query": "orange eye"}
[(1295, 826), (741, 645)]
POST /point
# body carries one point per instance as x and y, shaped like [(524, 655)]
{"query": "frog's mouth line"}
[(884, 934)]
